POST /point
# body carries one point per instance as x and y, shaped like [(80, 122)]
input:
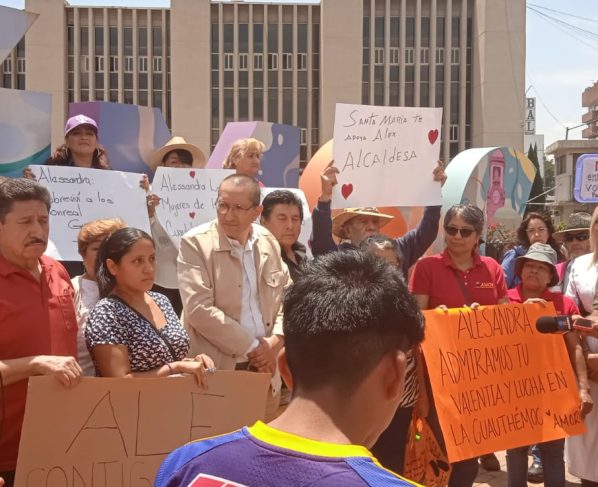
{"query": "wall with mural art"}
[(280, 160)]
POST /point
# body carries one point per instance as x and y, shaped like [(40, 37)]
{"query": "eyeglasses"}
[(580, 237), (465, 232), (223, 208), (540, 231)]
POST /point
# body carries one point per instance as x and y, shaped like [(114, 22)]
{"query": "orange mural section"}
[(497, 382)]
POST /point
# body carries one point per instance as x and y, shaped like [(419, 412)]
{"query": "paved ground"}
[(499, 479)]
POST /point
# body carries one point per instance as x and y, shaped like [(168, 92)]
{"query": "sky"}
[(561, 60)]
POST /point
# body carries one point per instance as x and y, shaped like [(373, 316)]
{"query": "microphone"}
[(561, 324)]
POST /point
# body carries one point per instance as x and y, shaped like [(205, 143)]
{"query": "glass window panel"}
[(258, 104), (99, 40)]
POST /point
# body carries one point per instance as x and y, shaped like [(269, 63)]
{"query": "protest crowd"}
[(339, 334)]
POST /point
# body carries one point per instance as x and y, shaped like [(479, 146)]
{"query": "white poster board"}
[(188, 197), (386, 156), (306, 225), (585, 189), (81, 195)]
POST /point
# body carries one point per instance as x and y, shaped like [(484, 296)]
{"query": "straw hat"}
[(539, 252), (199, 160), (577, 222), (338, 222)]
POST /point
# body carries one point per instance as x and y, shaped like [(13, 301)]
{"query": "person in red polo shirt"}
[(38, 327), (459, 277), (537, 271)]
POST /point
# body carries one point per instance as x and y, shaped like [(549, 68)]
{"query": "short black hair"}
[(21, 189), (244, 180), (280, 197), (470, 213), (342, 315)]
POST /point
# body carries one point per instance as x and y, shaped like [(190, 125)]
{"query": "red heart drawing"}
[(192, 215), (432, 136), (192, 174), (346, 190)]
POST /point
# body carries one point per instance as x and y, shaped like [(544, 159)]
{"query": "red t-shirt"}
[(562, 304), (36, 318), (437, 277)]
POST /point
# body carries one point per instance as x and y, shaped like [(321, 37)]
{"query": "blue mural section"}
[(25, 121)]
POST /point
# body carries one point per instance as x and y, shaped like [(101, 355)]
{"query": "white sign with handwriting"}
[(188, 197), (80, 195), (386, 156)]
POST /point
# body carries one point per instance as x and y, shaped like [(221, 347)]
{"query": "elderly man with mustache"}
[(38, 327)]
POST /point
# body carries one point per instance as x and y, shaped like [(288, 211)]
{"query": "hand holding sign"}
[(384, 156)]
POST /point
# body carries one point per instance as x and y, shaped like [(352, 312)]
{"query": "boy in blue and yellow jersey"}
[(348, 322)]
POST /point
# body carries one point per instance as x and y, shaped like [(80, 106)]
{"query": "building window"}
[(394, 55), (7, 66), (287, 61), (303, 135), (454, 133), (273, 61), (258, 61), (99, 64), (424, 55), (302, 61), (143, 64), (229, 62), (157, 64), (114, 64), (440, 55), (85, 64), (243, 62), (379, 56), (455, 55), (409, 55), (129, 64)]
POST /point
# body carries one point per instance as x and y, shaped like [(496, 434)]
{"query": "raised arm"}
[(322, 241)]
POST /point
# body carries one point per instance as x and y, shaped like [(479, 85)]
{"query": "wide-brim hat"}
[(199, 160), (539, 252), (338, 222), (577, 222)]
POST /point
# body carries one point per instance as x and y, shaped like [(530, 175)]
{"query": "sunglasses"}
[(465, 232), (580, 237)]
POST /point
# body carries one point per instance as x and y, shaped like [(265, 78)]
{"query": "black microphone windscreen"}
[(547, 324)]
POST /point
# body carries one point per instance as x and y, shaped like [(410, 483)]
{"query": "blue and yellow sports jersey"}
[(263, 456)]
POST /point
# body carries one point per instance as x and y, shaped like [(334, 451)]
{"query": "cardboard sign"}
[(81, 195), (188, 197), (306, 225), (497, 382), (386, 156), (585, 189), (117, 432)]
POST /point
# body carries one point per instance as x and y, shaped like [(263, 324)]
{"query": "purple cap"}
[(77, 120)]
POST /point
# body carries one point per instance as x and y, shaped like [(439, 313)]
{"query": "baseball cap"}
[(77, 120)]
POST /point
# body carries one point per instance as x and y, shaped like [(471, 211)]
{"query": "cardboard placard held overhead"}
[(585, 189), (80, 195), (386, 156), (188, 197), (117, 432), (497, 382)]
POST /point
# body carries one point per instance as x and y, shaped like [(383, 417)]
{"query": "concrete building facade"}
[(589, 100), (205, 63)]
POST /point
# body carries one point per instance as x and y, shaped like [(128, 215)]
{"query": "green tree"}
[(536, 197), (549, 181)]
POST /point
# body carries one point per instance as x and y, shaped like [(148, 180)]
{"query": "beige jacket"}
[(210, 283)]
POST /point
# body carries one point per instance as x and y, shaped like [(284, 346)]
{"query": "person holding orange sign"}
[(537, 272), (459, 277)]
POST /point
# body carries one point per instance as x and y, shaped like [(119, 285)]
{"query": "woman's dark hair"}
[(523, 239), (114, 247), (470, 213), (63, 157)]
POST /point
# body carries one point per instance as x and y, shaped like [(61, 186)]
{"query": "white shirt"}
[(87, 294), (251, 319)]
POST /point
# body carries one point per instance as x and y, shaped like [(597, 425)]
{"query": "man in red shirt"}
[(38, 327)]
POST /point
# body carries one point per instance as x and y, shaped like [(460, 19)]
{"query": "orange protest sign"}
[(497, 382)]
